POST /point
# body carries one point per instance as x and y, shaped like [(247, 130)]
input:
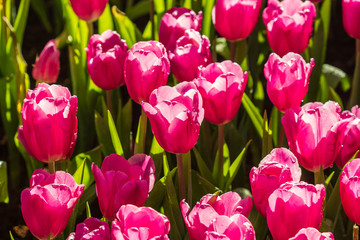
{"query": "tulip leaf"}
[(207, 18), (147, 31), (88, 211), (203, 168), (222, 47), (114, 136), (267, 145), (226, 165), (207, 186), (103, 135), (4, 195), (20, 21), (141, 134), (39, 7), (253, 113), (123, 123), (276, 124), (141, 8), (105, 20), (11, 236), (335, 97), (334, 76), (159, 6), (157, 153)]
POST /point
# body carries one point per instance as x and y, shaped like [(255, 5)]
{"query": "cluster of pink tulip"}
[(318, 134)]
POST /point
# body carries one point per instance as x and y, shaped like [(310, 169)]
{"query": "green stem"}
[(91, 29), (152, 10), (319, 177), (232, 50), (355, 96), (221, 153), (355, 232), (189, 191), (143, 129), (51, 167), (181, 177), (109, 102), (282, 133)]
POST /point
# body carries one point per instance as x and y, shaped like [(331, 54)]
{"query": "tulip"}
[(47, 205), (88, 10), (294, 206), (175, 22), (175, 115), (287, 79), (106, 55), (309, 133), (91, 229), (312, 234), (139, 223), (121, 181), (147, 67), (349, 190), (191, 52), (49, 129), (207, 215), (221, 86), (289, 25), (235, 19), (351, 17), (276, 168)]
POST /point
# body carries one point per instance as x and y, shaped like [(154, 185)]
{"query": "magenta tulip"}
[(91, 229), (192, 51), (221, 86), (235, 19), (289, 25), (147, 67), (106, 55), (287, 79), (213, 211), (175, 22), (276, 168), (294, 206), (144, 223), (349, 190), (121, 181), (88, 10), (175, 115), (49, 202), (47, 66), (351, 17), (311, 233), (309, 133), (49, 129)]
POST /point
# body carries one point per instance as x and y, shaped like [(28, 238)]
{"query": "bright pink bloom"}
[(276, 168), (106, 55), (289, 25), (147, 67), (175, 114), (287, 79), (175, 22), (91, 229), (144, 223), (47, 66), (192, 51), (351, 17), (309, 133), (88, 10), (349, 190), (235, 19), (311, 233), (221, 86), (214, 211), (121, 181), (49, 202), (49, 129), (294, 206)]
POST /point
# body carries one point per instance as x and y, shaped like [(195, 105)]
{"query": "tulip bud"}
[(49, 202), (49, 129), (147, 67), (47, 66), (289, 25), (221, 86), (287, 79), (351, 17), (88, 10), (311, 233), (106, 55), (91, 229)]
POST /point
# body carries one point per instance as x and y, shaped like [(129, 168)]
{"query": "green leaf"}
[(203, 168), (253, 113), (157, 153), (141, 134), (335, 97), (207, 18), (123, 123), (207, 186), (39, 6), (222, 47), (103, 135), (114, 136), (88, 211), (226, 165), (20, 21), (4, 195), (267, 145), (11, 236), (142, 8), (105, 20), (334, 76), (276, 124), (159, 6)]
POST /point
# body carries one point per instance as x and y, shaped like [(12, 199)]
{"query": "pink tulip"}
[(287, 79), (175, 115), (47, 66), (47, 205), (192, 51), (88, 10), (311, 233), (289, 25), (144, 223), (349, 190), (309, 133), (294, 206), (351, 17), (214, 211), (174, 24), (276, 168), (235, 19), (221, 86), (106, 55), (147, 67), (121, 181), (49, 129), (91, 229)]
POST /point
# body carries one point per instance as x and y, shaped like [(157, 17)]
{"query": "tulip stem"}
[(221, 153), (232, 50), (51, 166), (319, 177), (355, 88), (143, 128), (282, 133), (91, 29), (355, 232), (189, 191), (181, 176), (109, 101), (152, 10)]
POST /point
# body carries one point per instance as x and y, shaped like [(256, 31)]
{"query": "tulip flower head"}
[(311, 233), (88, 10), (351, 17), (91, 229)]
